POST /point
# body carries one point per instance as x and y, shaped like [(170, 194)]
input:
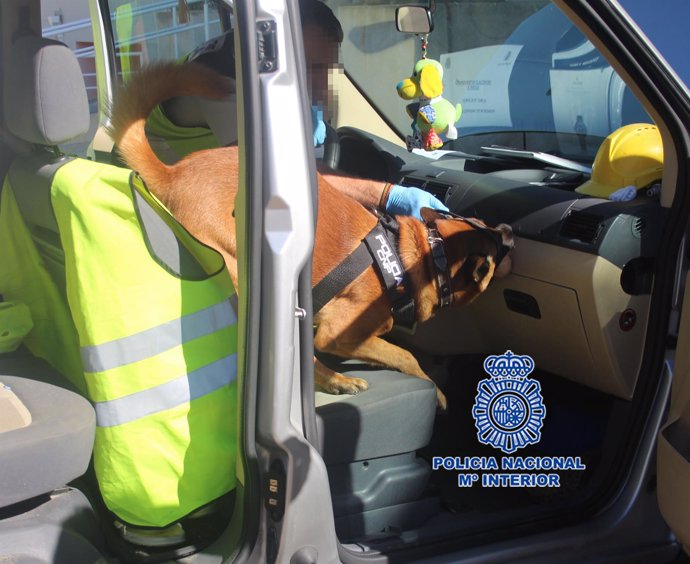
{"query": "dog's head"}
[(475, 253)]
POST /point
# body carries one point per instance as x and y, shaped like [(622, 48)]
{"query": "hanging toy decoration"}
[(433, 116)]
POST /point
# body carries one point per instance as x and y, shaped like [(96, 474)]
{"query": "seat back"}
[(45, 105)]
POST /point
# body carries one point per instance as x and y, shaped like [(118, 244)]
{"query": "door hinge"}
[(267, 46), (275, 490)]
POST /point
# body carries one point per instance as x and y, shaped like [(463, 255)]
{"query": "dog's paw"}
[(344, 385)]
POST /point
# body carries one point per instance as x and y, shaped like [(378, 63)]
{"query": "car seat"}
[(46, 439), (369, 442)]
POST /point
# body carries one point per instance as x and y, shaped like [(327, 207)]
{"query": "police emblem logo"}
[(509, 409)]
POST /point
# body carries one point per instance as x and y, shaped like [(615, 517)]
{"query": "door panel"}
[(673, 451)]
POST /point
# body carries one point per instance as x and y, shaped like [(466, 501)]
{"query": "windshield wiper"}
[(546, 158)]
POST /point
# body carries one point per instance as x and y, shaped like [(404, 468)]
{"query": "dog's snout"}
[(507, 238)]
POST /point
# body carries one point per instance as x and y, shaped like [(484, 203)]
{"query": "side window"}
[(666, 29), (69, 23), (148, 31)]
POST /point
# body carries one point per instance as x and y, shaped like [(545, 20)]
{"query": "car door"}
[(673, 454), (673, 466), (275, 235), (619, 38)]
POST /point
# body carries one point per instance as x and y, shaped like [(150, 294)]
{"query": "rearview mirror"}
[(413, 19)]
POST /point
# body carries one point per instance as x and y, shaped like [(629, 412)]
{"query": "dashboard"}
[(577, 299)]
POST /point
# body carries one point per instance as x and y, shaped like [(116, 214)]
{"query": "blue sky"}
[(667, 24)]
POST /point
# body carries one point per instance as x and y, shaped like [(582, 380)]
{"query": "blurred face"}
[(321, 52)]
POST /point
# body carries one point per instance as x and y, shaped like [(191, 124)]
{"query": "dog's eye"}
[(481, 270)]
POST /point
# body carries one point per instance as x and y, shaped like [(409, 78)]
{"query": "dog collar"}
[(440, 262)]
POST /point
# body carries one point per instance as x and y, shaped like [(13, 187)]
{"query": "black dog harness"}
[(378, 248)]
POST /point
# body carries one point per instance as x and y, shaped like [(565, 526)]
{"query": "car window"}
[(523, 73), (666, 28), (148, 31)]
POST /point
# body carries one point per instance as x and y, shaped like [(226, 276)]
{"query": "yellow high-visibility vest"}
[(158, 350)]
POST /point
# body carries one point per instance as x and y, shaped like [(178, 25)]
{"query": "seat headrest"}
[(45, 98)]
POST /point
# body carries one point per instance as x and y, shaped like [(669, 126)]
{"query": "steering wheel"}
[(331, 148)]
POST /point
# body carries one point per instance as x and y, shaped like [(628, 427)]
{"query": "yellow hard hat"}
[(633, 155)]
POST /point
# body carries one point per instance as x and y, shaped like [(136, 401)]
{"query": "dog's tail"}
[(141, 94)]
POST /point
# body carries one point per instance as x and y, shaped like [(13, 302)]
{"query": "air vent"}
[(581, 226), (638, 226), (438, 189), (412, 181)]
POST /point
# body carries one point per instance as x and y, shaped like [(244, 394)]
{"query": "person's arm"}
[(386, 197), (366, 192)]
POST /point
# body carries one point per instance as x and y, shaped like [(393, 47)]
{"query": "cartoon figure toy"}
[(434, 116)]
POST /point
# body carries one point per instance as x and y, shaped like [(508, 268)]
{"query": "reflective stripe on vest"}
[(149, 342), (194, 385), (158, 349)]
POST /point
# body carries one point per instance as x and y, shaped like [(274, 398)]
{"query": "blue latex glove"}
[(624, 194), (318, 125), (404, 200)]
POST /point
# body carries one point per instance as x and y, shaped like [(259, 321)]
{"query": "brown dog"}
[(200, 189)]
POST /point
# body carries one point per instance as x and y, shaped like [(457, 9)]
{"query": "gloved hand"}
[(318, 125), (404, 200)]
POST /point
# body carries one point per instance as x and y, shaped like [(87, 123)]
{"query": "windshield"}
[(525, 76)]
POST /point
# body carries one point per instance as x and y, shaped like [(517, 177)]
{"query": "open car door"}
[(275, 226), (673, 447), (673, 439)]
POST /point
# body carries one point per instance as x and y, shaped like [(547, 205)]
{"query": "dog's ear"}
[(483, 271), (430, 216)]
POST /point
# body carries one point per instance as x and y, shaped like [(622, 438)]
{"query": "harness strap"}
[(342, 275), (391, 271), (375, 248)]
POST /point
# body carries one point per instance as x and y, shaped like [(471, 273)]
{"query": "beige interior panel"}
[(578, 336), (673, 451)]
